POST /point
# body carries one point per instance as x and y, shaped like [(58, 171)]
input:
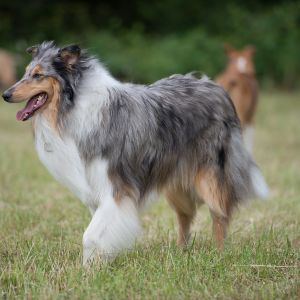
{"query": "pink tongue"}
[(27, 109)]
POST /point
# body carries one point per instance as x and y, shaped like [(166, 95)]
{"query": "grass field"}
[(41, 227)]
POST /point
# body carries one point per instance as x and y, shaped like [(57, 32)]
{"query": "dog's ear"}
[(228, 49), (70, 54), (33, 50), (250, 49)]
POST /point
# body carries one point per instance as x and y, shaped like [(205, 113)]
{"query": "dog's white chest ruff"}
[(61, 158)]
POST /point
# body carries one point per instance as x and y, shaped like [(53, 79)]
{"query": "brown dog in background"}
[(7, 69), (238, 79)]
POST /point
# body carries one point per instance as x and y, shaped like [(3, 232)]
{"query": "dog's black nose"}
[(6, 95)]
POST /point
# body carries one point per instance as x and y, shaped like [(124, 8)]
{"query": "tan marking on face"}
[(38, 69), (50, 108), (25, 89)]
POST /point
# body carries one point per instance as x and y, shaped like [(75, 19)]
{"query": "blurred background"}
[(143, 40)]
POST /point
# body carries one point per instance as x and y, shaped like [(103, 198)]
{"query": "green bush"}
[(134, 56), (140, 57), (139, 54)]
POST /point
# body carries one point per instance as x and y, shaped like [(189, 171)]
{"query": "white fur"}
[(61, 158), (241, 64), (114, 226), (91, 96), (259, 184), (248, 134)]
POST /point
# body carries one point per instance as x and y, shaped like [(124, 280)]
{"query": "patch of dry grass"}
[(42, 225)]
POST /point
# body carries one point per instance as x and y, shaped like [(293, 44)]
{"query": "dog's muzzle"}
[(7, 95)]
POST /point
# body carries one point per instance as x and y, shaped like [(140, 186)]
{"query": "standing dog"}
[(238, 79), (115, 144)]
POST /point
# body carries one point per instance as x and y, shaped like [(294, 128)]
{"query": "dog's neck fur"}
[(58, 149), (91, 94)]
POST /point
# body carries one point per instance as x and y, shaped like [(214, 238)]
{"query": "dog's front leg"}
[(114, 226)]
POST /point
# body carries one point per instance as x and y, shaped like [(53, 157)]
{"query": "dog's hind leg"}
[(217, 196), (184, 205), (219, 228), (114, 226)]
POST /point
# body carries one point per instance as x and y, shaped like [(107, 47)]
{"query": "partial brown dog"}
[(7, 70), (238, 79)]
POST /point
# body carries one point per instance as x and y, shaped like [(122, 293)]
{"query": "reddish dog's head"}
[(240, 61)]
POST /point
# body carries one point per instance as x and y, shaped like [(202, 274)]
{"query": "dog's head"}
[(49, 79), (240, 61)]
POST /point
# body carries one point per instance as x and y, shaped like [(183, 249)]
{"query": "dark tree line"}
[(35, 19)]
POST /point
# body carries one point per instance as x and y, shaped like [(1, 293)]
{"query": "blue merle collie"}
[(115, 145)]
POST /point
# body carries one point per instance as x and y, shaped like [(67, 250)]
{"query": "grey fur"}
[(158, 134), (166, 132)]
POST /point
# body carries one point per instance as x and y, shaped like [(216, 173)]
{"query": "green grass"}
[(41, 227)]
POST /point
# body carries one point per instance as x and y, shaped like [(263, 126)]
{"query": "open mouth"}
[(32, 105)]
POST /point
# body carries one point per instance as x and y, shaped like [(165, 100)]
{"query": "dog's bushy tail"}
[(244, 175)]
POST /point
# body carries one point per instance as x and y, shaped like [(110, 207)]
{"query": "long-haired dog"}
[(238, 79), (114, 144)]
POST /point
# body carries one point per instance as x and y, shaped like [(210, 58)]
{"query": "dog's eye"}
[(36, 76)]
